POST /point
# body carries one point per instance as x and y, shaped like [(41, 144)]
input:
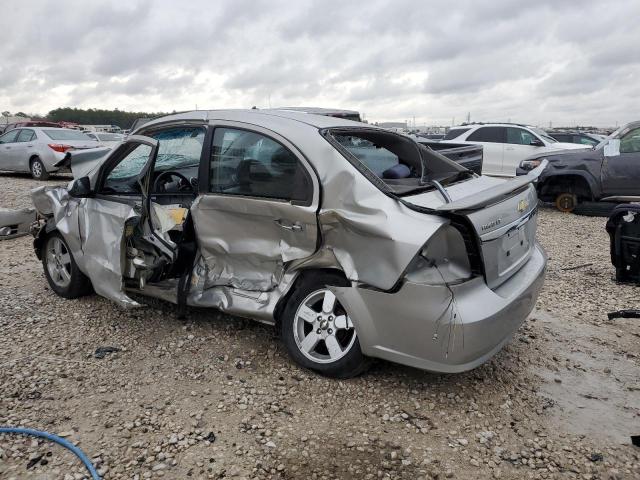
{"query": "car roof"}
[(261, 117)]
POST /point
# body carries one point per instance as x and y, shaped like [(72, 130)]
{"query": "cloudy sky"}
[(528, 61)]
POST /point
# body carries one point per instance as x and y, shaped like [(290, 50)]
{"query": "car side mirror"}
[(81, 188), (536, 143)]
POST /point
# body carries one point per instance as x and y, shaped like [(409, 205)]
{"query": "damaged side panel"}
[(245, 243), (373, 237)]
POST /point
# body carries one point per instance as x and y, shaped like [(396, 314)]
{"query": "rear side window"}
[(488, 134), (251, 164), (455, 133)]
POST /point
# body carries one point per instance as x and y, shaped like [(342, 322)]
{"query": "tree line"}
[(95, 116)]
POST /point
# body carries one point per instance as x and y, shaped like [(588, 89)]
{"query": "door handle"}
[(294, 227)]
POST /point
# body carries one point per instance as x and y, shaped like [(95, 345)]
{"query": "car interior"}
[(403, 166)]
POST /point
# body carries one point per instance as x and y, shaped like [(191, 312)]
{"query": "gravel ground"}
[(215, 396)]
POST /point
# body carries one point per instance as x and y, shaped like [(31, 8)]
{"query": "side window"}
[(26, 135), (630, 143), (9, 137), (519, 136), (251, 164), (179, 148), (562, 137), (487, 134), (125, 175), (585, 140)]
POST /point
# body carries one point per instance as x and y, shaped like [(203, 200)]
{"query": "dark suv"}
[(610, 171)]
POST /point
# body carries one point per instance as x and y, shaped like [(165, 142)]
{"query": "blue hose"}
[(59, 440)]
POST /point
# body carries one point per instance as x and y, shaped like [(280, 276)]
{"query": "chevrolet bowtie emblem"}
[(522, 205)]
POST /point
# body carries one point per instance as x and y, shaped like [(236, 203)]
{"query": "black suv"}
[(609, 171)]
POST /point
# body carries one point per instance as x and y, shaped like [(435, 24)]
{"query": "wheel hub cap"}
[(322, 329)]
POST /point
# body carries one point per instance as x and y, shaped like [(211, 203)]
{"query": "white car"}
[(505, 145)]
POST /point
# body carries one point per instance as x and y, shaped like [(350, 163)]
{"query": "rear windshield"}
[(455, 133), (67, 135), (376, 158), (394, 162)]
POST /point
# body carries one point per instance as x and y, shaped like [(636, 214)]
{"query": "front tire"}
[(61, 269), (317, 331), (38, 171), (566, 202)]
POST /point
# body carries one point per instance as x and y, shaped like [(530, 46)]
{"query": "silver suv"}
[(353, 241)]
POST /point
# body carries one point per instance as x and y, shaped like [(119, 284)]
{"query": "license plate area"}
[(503, 256)]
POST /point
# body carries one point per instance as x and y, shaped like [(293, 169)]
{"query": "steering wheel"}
[(183, 186)]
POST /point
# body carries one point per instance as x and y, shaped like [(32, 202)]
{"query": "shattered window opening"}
[(124, 176)]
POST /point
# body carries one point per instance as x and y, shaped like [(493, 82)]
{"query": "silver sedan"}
[(38, 149), (353, 241)]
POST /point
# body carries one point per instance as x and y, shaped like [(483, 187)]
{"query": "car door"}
[(520, 144), (23, 150), (257, 209), (7, 150), (492, 140), (114, 213), (621, 166)]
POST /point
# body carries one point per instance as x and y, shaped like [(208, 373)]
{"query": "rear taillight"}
[(58, 147)]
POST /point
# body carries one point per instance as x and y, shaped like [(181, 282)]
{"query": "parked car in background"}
[(610, 171), (582, 138), (106, 139), (37, 149), (353, 240), (505, 145), (30, 123)]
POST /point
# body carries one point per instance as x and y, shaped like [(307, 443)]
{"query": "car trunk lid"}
[(501, 214)]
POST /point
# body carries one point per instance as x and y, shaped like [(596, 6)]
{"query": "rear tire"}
[(61, 269), (38, 171), (317, 331)]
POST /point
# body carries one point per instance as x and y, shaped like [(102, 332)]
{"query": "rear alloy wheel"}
[(318, 332), (61, 270), (37, 170), (566, 202)]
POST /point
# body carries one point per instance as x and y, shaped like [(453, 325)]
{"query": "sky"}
[(560, 61)]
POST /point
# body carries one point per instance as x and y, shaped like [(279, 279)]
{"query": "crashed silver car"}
[(354, 241)]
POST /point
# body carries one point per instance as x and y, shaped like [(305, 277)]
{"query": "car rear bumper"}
[(422, 327)]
